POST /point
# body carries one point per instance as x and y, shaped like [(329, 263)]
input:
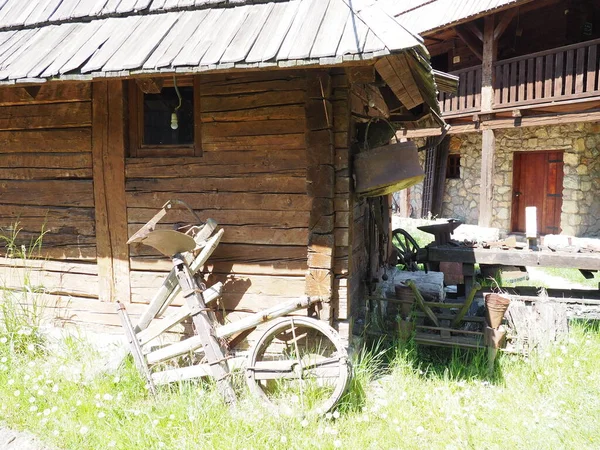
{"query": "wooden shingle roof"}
[(85, 39), (425, 16)]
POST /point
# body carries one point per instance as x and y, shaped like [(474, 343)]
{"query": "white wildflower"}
[(55, 388), (10, 382), (283, 439), (17, 393), (336, 414), (101, 415), (55, 432), (576, 363), (304, 423), (47, 412), (111, 444), (83, 430), (31, 399), (107, 397), (337, 443), (3, 340), (4, 359), (31, 348), (33, 408), (420, 429)]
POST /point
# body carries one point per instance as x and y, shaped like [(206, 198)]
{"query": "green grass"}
[(423, 399)]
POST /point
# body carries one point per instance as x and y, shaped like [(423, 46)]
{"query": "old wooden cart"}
[(295, 361)]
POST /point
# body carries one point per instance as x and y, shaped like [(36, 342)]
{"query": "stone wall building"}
[(525, 120), (580, 142)]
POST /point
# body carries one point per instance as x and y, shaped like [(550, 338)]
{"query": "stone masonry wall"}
[(581, 187)]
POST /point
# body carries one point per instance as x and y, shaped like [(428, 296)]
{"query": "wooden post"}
[(488, 145), (108, 159), (320, 181)]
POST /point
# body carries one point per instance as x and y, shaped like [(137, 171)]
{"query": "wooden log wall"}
[(251, 179), (46, 187)]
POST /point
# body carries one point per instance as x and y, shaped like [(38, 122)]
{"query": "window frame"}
[(453, 170), (136, 122)]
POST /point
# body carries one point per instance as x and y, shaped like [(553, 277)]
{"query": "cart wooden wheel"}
[(407, 249), (299, 364)]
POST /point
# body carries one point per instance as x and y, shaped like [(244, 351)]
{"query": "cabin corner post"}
[(320, 184), (488, 147), (108, 162)]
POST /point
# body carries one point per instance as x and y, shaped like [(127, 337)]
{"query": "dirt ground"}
[(17, 440)]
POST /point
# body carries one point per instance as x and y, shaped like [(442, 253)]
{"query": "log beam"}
[(471, 41), (108, 160), (488, 146), (320, 181)]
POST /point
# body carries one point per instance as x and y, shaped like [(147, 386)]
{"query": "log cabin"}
[(246, 110), (525, 120)]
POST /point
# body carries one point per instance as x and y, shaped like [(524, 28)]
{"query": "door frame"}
[(516, 181)]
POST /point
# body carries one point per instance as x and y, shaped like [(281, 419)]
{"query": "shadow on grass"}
[(382, 357)]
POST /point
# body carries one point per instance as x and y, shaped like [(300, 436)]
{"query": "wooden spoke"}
[(308, 372)]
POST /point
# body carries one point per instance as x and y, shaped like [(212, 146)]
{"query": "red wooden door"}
[(537, 181)]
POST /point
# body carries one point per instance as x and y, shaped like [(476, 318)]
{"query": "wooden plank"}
[(247, 34), (57, 283), (391, 34), (176, 39), (225, 200), (232, 103), (505, 84), (558, 75), (587, 261), (353, 38), (66, 193), (489, 54), (180, 348), (569, 68), (259, 184), (293, 31), (513, 82), (91, 41), (331, 31), (139, 45), (108, 150), (218, 163), (193, 51), (64, 10), (58, 115), (579, 71), (273, 33), (73, 140), (281, 219), (73, 221), (46, 93), (522, 77), (529, 90), (539, 77), (38, 58), (49, 166), (486, 197), (549, 76), (120, 30), (592, 69)]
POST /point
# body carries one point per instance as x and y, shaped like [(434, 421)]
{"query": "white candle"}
[(531, 222)]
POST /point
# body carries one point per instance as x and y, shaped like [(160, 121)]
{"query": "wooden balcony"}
[(560, 75)]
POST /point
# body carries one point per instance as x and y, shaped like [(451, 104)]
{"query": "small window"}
[(162, 118), (453, 167)]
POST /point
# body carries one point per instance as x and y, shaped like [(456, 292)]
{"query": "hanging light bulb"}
[(174, 120)]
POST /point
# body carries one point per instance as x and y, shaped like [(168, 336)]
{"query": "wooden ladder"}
[(181, 279)]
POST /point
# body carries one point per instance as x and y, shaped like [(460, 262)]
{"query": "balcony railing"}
[(560, 74)]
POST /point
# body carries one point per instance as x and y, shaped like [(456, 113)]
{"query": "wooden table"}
[(512, 257)]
